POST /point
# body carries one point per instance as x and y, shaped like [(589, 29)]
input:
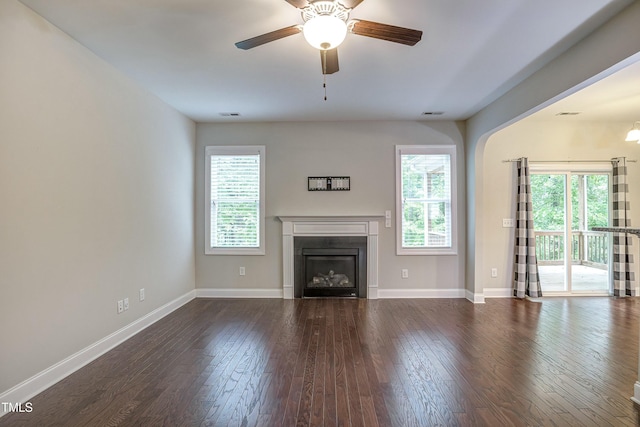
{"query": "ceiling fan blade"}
[(268, 37), (350, 4), (386, 32), (329, 60), (298, 3)]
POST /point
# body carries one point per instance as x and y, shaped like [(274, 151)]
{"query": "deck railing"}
[(587, 248)]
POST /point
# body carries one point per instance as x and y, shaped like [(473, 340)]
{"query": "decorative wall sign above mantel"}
[(329, 183)]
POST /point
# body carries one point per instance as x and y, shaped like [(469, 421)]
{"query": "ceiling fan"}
[(326, 24)]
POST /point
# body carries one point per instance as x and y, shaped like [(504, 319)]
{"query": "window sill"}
[(236, 251), (426, 251)]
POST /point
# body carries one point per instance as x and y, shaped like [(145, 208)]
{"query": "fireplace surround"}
[(330, 226)]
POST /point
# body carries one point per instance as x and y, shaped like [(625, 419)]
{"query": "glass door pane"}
[(590, 249), (548, 193)]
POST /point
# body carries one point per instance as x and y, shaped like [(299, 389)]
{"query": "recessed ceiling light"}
[(568, 113), (433, 113), (230, 114)]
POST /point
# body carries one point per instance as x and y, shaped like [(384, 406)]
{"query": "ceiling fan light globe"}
[(633, 135), (325, 32)]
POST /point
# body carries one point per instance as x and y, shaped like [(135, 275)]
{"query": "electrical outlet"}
[(405, 273), (494, 272), (242, 271), (141, 294), (120, 306), (126, 304)]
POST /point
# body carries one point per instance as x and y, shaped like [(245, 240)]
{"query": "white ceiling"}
[(614, 98), (471, 53)]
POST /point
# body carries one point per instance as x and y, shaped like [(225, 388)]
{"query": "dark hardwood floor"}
[(348, 362)]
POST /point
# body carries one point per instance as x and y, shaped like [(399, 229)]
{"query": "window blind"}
[(426, 200), (235, 201)]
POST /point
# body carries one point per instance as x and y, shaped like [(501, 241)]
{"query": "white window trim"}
[(427, 149), (541, 167), (234, 150)]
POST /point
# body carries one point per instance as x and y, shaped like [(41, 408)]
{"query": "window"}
[(235, 200), (425, 200)]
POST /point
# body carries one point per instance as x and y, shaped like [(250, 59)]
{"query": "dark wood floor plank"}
[(294, 394), (350, 362), (407, 369), (303, 416), (343, 414), (319, 387), (366, 389), (379, 406), (329, 411), (258, 380), (230, 384)]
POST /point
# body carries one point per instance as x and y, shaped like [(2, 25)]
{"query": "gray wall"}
[(96, 191), (365, 151)]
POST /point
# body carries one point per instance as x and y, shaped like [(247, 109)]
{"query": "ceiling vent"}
[(230, 114), (433, 113), (568, 113)]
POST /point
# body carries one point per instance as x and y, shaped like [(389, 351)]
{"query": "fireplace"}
[(330, 266), (366, 227)]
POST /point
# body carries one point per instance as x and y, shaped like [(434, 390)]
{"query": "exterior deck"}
[(589, 262), (585, 279)]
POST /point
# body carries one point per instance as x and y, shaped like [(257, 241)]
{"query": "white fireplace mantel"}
[(339, 225)]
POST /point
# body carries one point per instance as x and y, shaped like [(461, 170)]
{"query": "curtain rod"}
[(566, 161)]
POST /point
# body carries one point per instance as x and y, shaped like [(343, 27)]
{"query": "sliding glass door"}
[(548, 193), (567, 203), (590, 249)]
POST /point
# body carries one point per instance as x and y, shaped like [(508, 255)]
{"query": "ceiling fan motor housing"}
[(325, 8)]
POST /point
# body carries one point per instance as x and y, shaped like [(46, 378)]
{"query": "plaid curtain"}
[(622, 256), (526, 281)]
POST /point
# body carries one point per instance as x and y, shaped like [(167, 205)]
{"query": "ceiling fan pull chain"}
[(324, 85), (324, 72)]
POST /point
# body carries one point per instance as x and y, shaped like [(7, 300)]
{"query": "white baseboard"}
[(636, 393), (421, 293), (474, 298), (498, 292), (239, 293), (22, 392), (373, 293)]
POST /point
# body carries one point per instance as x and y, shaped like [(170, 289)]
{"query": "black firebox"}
[(330, 266)]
